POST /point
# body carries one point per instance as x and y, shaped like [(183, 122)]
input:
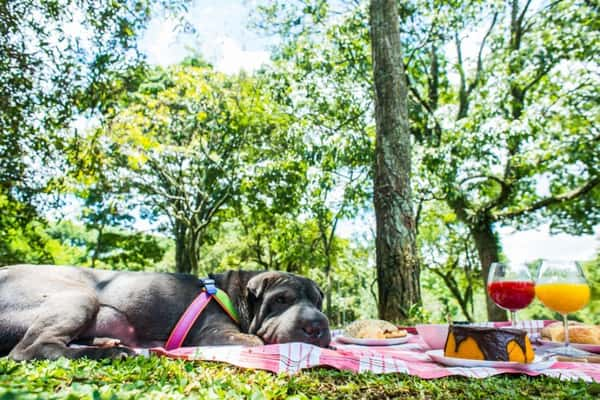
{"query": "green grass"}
[(161, 378)]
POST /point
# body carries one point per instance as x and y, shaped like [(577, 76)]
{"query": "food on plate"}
[(373, 329), (490, 344), (578, 333)]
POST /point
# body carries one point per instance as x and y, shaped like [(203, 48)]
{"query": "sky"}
[(224, 39)]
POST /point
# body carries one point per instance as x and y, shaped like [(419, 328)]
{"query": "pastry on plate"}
[(373, 329), (578, 333), (489, 344)]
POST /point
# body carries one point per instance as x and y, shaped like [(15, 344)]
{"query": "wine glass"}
[(561, 286), (511, 287)]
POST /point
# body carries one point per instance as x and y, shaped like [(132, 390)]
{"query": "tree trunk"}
[(327, 241), (194, 245), (328, 297), (397, 262), (182, 256), (98, 246), (488, 249)]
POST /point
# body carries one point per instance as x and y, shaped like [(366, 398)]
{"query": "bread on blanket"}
[(373, 329), (578, 333)]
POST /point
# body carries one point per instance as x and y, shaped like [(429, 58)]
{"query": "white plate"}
[(537, 364), (373, 342), (592, 348)]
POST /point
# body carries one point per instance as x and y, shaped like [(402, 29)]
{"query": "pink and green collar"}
[(189, 317)]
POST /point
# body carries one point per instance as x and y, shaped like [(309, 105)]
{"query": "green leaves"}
[(61, 60), (192, 142), (22, 236), (503, 111)]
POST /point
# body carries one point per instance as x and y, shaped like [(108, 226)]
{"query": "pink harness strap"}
[(187, 320)]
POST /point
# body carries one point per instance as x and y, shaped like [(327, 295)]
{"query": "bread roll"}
[(373, 329), (578, 333)]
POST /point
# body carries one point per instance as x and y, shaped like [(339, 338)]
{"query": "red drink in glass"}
[(512, 295)]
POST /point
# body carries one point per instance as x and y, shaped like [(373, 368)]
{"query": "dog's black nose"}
[(314, 328)]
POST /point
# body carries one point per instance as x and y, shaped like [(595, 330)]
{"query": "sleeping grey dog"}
[(44, 309)]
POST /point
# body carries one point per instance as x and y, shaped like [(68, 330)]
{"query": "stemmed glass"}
[(511, 287), (561, 286)]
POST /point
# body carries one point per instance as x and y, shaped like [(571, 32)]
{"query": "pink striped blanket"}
[(410, 358)]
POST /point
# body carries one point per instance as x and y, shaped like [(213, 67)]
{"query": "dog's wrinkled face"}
[(287, 308)]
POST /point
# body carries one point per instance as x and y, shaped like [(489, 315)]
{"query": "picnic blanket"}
[(409, 358)]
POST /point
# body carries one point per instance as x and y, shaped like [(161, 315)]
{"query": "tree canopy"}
[(189, 143), (504, 136), (188, 169), (59, 60)]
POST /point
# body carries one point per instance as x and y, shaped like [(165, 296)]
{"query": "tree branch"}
[(258, 252), (426, 40), (477, 78), (529, 23), (489, 177), (462, 90), (522, 16), (418, 215), (541, 73), (504, 189), (548, 201), (213, 210), (453, 286), (423, 103)]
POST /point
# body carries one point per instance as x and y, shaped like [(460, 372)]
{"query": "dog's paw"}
[(119, 352), (248, 340), (105, 342)]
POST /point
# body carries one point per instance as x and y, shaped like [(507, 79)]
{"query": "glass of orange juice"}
[(561, 286)]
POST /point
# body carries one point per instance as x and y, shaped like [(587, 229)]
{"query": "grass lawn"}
[(161, 378)]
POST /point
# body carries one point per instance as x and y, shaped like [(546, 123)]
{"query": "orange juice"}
[(563, 297)]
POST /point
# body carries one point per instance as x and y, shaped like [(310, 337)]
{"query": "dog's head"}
[(278, 307)]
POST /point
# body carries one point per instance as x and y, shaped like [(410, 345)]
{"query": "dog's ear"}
[(235, 284), (256, 286)]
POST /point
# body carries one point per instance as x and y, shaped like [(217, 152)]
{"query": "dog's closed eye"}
[(282, 299)]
